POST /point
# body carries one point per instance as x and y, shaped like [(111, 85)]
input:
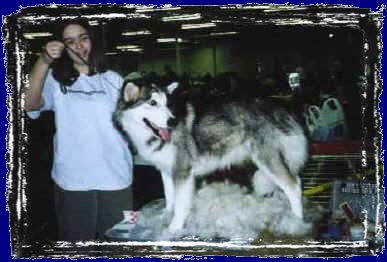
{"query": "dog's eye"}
[(153, 103)]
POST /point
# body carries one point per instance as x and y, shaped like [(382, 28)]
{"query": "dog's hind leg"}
[(279, 175), (184, 195), (169, 190), (262, 185)]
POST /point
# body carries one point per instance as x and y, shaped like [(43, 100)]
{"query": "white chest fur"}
[(163, 159)]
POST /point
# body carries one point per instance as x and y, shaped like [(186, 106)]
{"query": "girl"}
[(92, 169)]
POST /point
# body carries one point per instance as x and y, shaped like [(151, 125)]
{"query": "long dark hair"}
[(63, 68)]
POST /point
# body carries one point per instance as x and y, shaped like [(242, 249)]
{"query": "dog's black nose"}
[(172, 122)]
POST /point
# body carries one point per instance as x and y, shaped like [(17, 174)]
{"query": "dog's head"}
[(144, 107)]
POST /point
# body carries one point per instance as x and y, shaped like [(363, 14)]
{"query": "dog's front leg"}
[(169, 190), (183, 202)]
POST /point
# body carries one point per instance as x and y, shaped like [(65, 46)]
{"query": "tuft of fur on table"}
[(221, 212)]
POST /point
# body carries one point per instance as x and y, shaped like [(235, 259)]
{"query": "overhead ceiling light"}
[(195, 26), (126, 47), (169, 40), (111, 53), (197, 36), (134, 33), (139, 49), (94, 23), (133, 50), (223, 33), (153, 8), (181, 17), (37, 34)]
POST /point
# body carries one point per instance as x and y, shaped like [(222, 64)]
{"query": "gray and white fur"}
[(205, 140)]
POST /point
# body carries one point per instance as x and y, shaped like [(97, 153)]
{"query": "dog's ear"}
[(172, 87), (131, 92)]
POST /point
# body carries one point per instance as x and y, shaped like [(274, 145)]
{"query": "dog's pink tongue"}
[(165, 134)]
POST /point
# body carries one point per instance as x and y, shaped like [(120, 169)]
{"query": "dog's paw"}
[(176, 225), (168, 235)]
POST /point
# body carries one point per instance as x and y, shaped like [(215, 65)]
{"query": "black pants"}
[(86, 215)]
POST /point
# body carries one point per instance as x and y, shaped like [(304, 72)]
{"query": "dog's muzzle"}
[(163, 133)]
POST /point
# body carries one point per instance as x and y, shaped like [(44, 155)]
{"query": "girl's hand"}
[(52, 50)]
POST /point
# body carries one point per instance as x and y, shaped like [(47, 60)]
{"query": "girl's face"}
[(77, 39)]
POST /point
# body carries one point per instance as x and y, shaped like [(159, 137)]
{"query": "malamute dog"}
[(204, 140)]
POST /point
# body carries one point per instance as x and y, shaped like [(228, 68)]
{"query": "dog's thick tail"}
[(189, 122), (294, 152)]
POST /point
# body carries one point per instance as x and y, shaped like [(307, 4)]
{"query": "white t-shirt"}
[(89, 153)]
